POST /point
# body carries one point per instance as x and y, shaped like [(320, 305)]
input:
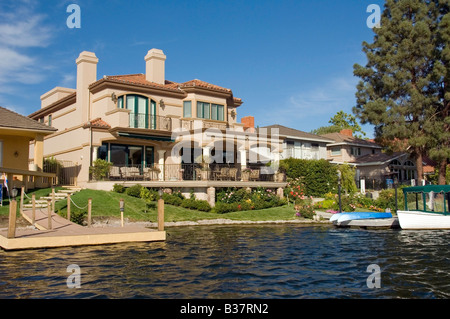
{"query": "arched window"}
[(409, 163), (143, 110), (395, 163)]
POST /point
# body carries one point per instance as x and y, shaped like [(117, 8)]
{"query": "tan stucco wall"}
[(15, 151)]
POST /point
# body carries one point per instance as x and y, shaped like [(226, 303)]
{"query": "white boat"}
[(426, 207)]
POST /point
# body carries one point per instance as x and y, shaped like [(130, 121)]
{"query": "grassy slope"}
[(106, 204)]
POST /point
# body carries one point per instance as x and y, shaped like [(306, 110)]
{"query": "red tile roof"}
[(139, 79), (97, 123)]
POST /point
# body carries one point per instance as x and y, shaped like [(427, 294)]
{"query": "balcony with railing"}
[(153, 122)]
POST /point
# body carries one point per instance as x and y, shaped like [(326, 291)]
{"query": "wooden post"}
[(22, 194), (161, 214), (89, 211), (12, 219), (33, 209), (49, 215), (122, 207), (53, 199), (68, 206)]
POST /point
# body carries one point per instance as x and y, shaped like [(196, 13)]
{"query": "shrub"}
[(134, 190), (78, 217), (100, 169), (118, 188), (223, 208), (319, 176)]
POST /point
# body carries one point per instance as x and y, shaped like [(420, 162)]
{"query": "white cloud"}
[(21, 29), (311, 108)]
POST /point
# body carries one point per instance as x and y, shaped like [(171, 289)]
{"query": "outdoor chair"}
[(232, 173), (114, 172), (198, 174), (254, 174), (223, 173)]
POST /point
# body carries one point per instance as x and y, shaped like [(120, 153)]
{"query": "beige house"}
[(371, 163), (134, 121)]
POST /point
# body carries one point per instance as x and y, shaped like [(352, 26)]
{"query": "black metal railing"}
[(191, 172), (153, 122)]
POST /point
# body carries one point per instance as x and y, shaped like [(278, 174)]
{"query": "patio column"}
[(243, 155), (211, 194), (39, 152), (161, 154), (94, 153)]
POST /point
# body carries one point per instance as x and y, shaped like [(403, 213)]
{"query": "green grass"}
[(106, 205)]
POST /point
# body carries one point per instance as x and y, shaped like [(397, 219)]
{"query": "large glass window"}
[(203, 110), (217, 112), (141, 116), (187, 109)]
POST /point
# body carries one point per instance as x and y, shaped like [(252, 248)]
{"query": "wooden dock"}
[(64, 233)]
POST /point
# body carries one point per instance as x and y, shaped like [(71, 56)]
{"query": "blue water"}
[(270, 261)]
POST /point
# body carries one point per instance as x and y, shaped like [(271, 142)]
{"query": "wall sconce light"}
[(161, 103), (16, 154), (114, 97), (233, 114)]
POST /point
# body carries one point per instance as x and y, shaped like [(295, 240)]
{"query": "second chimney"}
[(154, 66), (347, 132)]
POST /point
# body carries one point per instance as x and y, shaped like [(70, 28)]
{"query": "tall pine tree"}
[(397, 91), (438, 127)]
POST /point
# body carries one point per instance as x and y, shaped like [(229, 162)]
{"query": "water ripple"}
[(269, 261)]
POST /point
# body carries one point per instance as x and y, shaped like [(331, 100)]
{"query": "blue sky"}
[(290, 61)]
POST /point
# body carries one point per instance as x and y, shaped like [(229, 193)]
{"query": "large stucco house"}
[(136, 122)]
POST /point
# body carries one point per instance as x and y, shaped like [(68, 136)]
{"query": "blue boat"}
[(342, 217)]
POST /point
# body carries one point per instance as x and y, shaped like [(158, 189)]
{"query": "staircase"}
[(60, 195)]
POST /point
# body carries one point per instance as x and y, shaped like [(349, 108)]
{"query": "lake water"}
[(269, 261)]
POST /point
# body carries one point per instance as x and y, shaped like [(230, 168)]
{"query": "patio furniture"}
[(130, 172), (254, 174), (114, 172), (223, 173), (198, 174), (232, 173)]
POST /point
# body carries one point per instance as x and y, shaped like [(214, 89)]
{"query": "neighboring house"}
[(16, 134), (367, 156), (132, 121), (299, 144)]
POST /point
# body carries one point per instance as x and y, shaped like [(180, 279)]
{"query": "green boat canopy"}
[(427, 189)]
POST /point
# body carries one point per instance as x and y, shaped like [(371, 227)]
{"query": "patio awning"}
[(146, 137)]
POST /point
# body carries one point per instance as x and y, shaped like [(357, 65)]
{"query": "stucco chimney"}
[(154, 66), (347, 132), (86, 74)]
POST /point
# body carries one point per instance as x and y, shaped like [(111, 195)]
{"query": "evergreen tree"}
[(438, 127), (398, 88), (340, 121)]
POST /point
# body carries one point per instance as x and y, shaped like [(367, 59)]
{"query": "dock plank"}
[(66, 233)]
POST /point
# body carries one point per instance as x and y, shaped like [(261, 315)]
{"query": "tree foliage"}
[(402, 87), (340, 121)]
